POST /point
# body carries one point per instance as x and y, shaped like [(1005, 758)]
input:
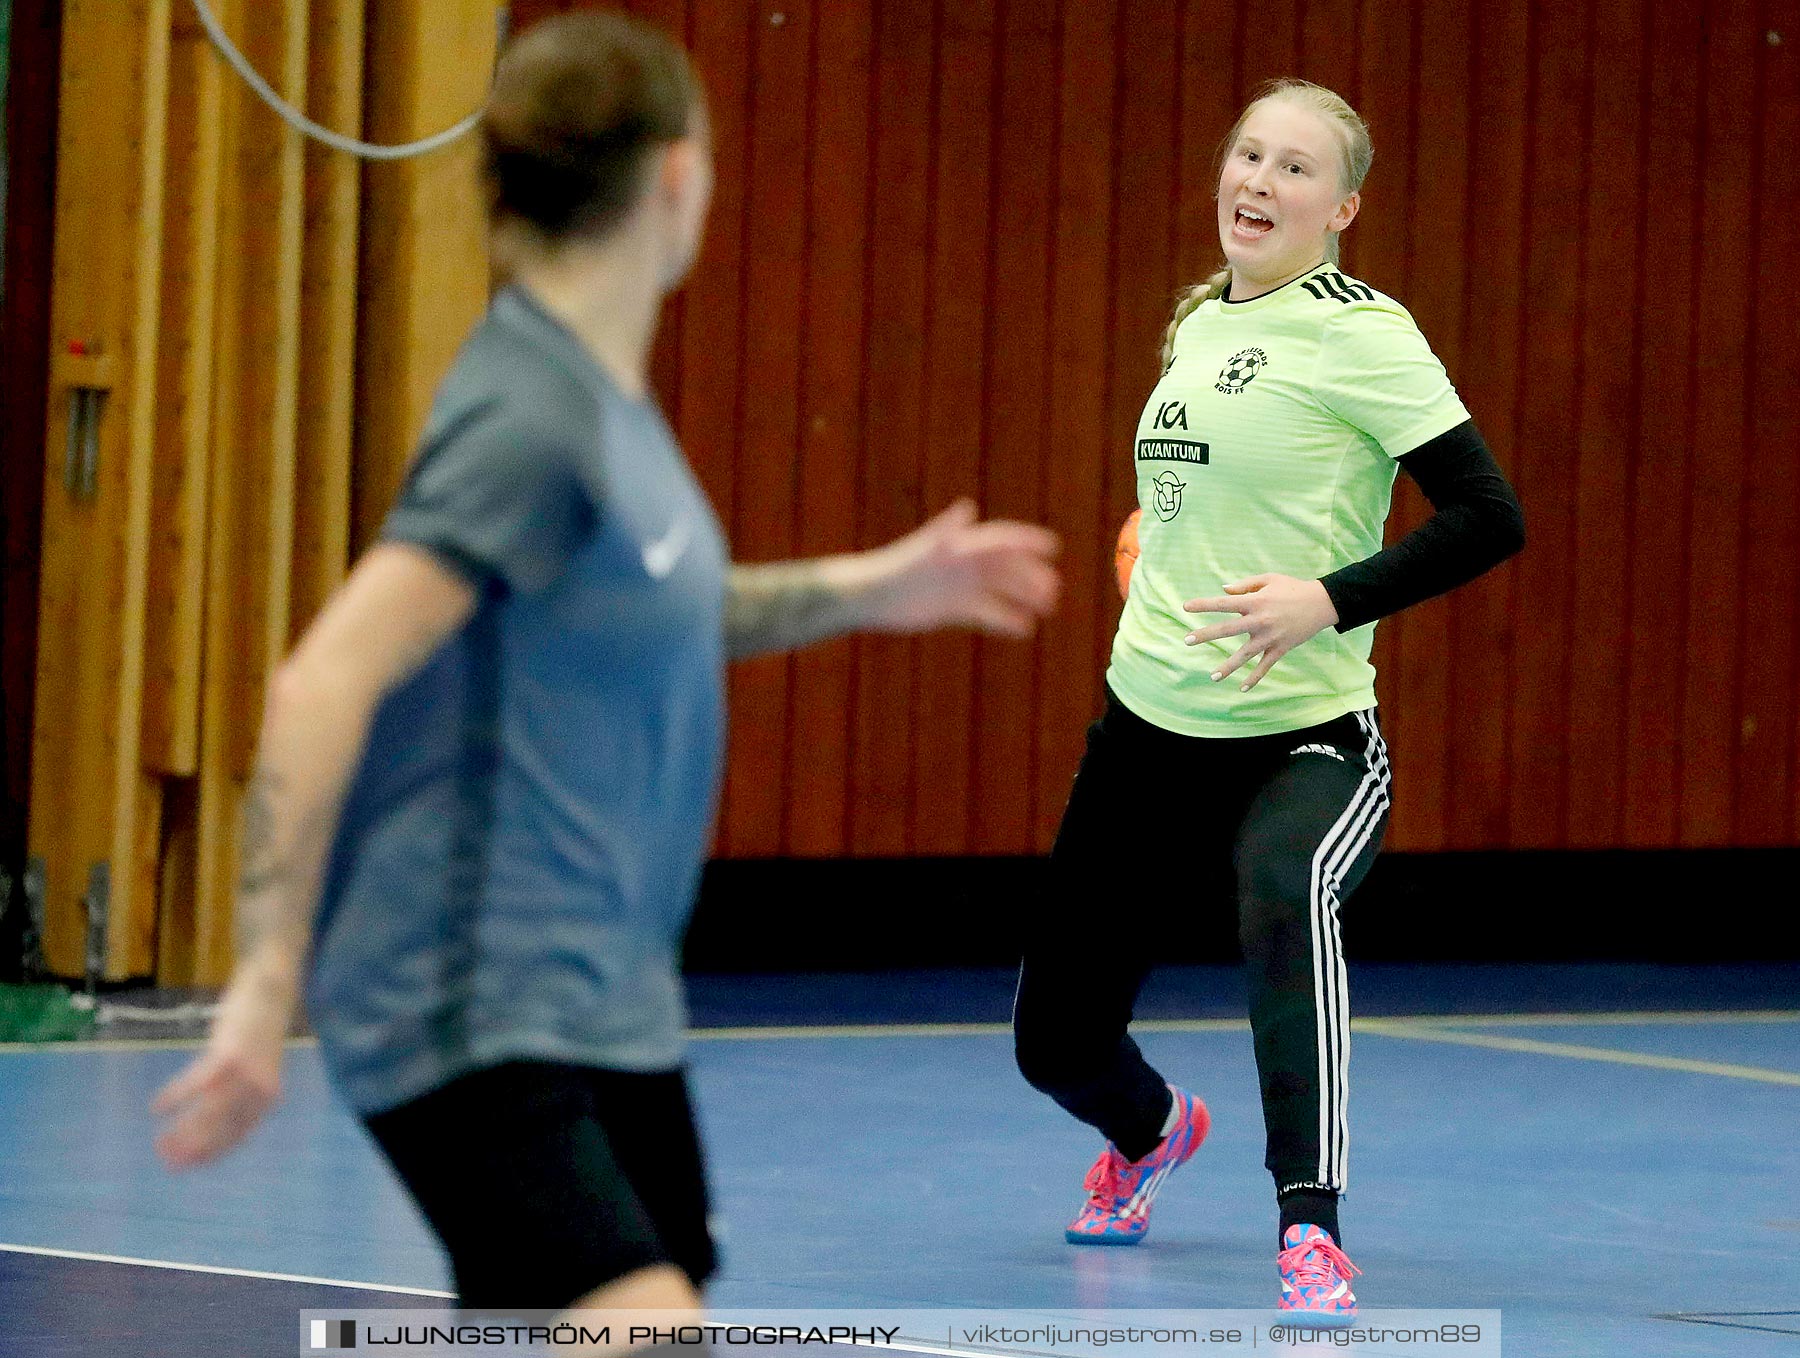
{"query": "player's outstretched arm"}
[(395, 610), (997, 577)]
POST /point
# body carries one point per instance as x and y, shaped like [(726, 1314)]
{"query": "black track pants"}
[(1160, 826)]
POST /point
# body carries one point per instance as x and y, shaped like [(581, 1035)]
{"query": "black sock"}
[(1135, 1146), (1309, 1207)]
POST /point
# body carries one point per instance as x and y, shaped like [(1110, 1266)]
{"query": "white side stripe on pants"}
[(1341, 847)]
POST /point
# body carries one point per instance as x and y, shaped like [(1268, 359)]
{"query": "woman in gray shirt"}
[(488, 772)]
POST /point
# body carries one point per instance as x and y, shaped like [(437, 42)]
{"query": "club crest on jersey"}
[(1168, 495), (1239, 369)]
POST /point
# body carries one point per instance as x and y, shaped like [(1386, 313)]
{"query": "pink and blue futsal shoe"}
[(1315, 1280), (1120, 1191)]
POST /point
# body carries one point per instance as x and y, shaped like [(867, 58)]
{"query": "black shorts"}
[(545, 1182)]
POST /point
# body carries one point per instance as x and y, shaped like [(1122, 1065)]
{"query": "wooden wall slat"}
[(1664, 434), (1715, 592), (177, 567), (1079, 449), (891, 502), (131, 921), (1270, 46), (830, 436), (955, 414), (1019, 335), (1539, 708), (328, 291), (1614, 213), (762, 528), (831, 428), (1483, 639), (1768, 807), (87, 792), (422, 247), (1782, 112), (1328, 45), (31, 119), (175, 629)]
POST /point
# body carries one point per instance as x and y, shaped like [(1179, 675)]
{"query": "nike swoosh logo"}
[(661, 556)]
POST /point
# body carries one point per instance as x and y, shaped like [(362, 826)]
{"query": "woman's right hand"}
[(220, 1097)]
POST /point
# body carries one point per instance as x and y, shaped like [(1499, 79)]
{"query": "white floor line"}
[(229, 1272), (380, 1287)]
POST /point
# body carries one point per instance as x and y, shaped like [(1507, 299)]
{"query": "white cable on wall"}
[(297, 120)]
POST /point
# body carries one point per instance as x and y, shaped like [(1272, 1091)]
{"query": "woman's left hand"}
[(1276, 612), (998, 577)]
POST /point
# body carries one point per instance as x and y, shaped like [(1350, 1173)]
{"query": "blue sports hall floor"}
[(1608, 1156)]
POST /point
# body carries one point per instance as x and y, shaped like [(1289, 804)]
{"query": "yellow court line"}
[(1236, 1025), (944, 1030), (1612, 1018), (789, 1032), (1390, 1028)]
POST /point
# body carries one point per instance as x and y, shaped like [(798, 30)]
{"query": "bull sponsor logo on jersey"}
[(1167, 501), (1239, 370)]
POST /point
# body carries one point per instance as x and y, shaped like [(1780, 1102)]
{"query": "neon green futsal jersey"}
[(1268, 447)]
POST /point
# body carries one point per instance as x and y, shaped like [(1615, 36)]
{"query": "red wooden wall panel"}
[(831, 432), (31, 140), (1657, 645), (762, 524), (1768, 809), (1612, 297), (1537, 709), (956, 412), (1483, 640), (1715, 587), (946, 239), (1019, 333), (1080, 290), (888, 500)]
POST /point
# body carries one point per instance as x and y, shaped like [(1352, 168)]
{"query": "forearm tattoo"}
[(261, 866), (272, 898), (783, 607)]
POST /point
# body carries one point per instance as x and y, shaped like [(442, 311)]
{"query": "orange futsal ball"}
[(1125, 555)]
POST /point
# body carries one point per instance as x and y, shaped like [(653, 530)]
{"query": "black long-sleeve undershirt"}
[(1476, 524)]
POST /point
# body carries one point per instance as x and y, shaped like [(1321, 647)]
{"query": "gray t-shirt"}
[(517, 855)]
